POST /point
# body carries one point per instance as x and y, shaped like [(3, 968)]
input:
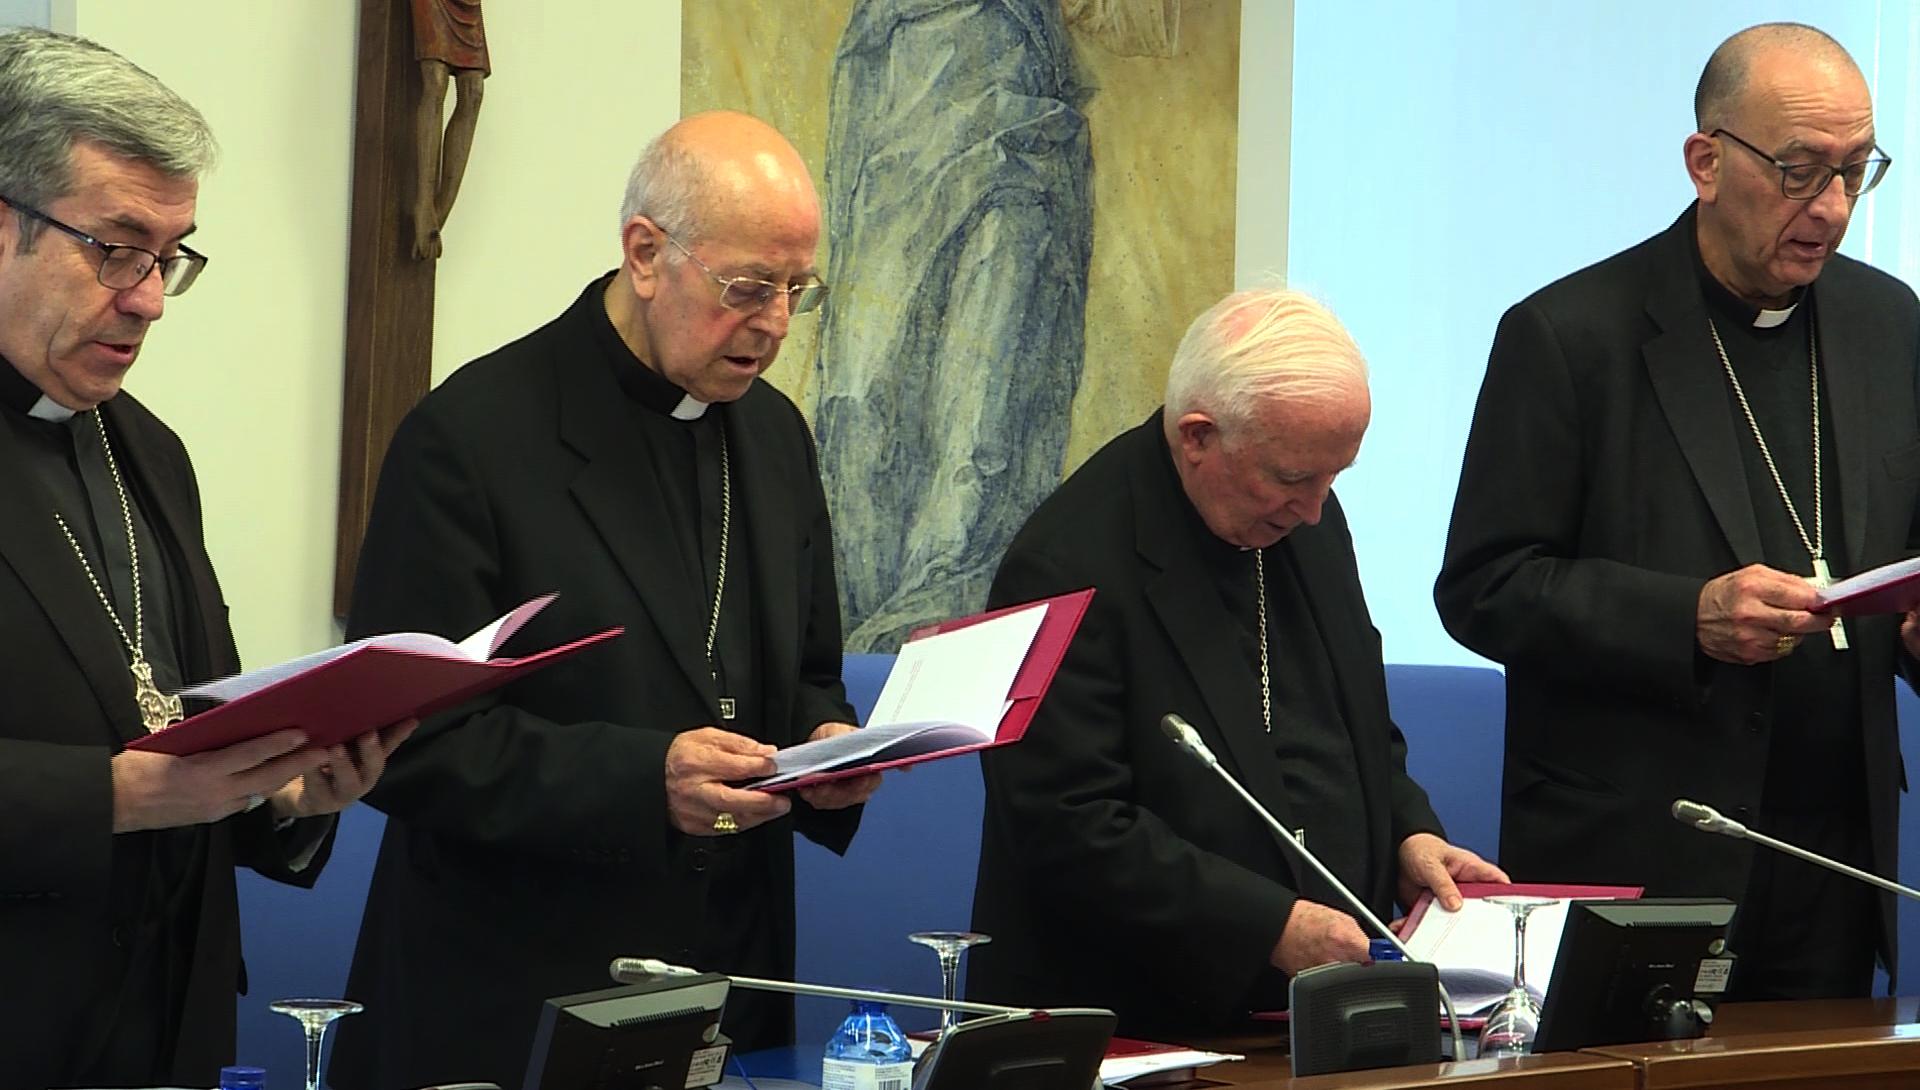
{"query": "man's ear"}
[(1702, 155), (640, 255), (1197, 432)]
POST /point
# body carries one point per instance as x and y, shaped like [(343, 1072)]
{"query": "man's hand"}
[(1315, 935), (1430, 864), (348, 774), (1757, 614), (839, 794), (159, 791), (699, 764), (1910, 632)]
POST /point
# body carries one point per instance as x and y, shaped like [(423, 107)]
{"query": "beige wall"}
[(248, 366)]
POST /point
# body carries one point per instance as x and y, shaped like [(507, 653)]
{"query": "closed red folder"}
[(365, 689), (1064, 613)]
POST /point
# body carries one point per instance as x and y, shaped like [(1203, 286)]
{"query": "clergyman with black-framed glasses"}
[(1674, 452)]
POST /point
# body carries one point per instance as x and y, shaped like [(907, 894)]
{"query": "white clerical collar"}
[(689, 408), (1767, 319), (48, 409)]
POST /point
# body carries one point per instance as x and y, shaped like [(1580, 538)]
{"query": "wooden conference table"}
[(1853, 1044)]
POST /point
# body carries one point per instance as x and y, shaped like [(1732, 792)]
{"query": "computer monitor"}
[(658, 1035), (1636, 971)]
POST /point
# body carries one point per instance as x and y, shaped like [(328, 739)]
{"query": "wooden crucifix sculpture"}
[(406, 174)]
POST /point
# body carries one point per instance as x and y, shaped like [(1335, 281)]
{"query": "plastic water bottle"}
[(868, 1052), (241, 1077)]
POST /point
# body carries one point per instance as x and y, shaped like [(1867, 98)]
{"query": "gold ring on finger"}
[(724, 823), (1783, 645)]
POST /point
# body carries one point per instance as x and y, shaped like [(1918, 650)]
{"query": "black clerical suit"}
[(1115, 870), (1609, 475), (528, 839), (121, 953)]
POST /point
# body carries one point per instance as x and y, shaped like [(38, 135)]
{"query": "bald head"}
[(1760, 64), (716, 170)]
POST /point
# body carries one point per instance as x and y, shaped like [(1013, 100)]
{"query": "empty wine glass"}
[(314, 1016), (948, 946), (1513, 1022)]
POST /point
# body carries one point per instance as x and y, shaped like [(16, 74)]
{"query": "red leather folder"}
[(1892, 588), (365, 689), (1064, 613), (1520, 889)]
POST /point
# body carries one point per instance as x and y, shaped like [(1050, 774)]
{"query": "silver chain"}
[(1266, 682), (133, 553), (1817, 544), (726, 523)]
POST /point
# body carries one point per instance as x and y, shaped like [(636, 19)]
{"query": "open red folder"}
[(912, 743), (338, 695), (1891, 588)]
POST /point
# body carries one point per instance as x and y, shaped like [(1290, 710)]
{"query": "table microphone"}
[(1188, 739), (642, 970), (1708, 820)]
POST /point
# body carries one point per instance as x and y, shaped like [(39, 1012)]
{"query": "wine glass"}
[(1511, 1025), (314, 1016), (948, 946)]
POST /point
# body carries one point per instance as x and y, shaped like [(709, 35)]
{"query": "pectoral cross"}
[(158, 710), (1822, 578)]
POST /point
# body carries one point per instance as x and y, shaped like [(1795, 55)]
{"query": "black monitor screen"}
[(660, 1035), (1627, 971)]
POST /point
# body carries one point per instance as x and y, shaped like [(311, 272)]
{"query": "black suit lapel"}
[(1847, 345), (1350, 648), (33, 547), (621, 496), (1201, 630), (1691, 386), (765, 512)]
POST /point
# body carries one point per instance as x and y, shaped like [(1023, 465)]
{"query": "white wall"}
[(247, 367), (1266, 145)]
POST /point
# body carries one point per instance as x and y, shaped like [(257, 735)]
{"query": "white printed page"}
[(960, 677)]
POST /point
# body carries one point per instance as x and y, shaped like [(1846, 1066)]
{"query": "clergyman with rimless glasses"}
[(1674, 451), (628, 455), (118, 910)]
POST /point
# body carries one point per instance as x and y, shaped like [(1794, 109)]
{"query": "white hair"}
[(665, 186), (1257, 345)]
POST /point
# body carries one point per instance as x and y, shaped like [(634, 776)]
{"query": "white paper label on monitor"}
[(843, 1075), (1713, 975), (707, 1067)]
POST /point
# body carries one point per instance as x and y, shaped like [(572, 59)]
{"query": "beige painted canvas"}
[(1027, 202)]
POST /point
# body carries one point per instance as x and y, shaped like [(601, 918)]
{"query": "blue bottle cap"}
[(1384, 950), (243, 1077)]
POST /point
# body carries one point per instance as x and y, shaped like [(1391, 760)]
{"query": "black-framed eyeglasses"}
[(123, 266), (1805, 181), (750, 295)]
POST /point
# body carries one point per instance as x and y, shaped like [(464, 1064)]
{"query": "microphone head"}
[(641, 970), (1706, 819), (1175, 728)]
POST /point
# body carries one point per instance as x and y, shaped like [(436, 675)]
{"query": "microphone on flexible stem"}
[(1188, 739), (1708, 820), (642, 970)]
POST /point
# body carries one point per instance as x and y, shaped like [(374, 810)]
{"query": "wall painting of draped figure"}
[(1026, 202)]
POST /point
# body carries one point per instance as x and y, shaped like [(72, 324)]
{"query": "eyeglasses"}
[(126, 267), (1805, 181), (751, 296)]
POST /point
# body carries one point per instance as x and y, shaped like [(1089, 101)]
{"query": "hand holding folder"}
[(957, 687), (341, 693)]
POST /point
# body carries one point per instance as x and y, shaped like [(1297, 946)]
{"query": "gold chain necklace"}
[(157, 709), (728, 708), (1817, 544)]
